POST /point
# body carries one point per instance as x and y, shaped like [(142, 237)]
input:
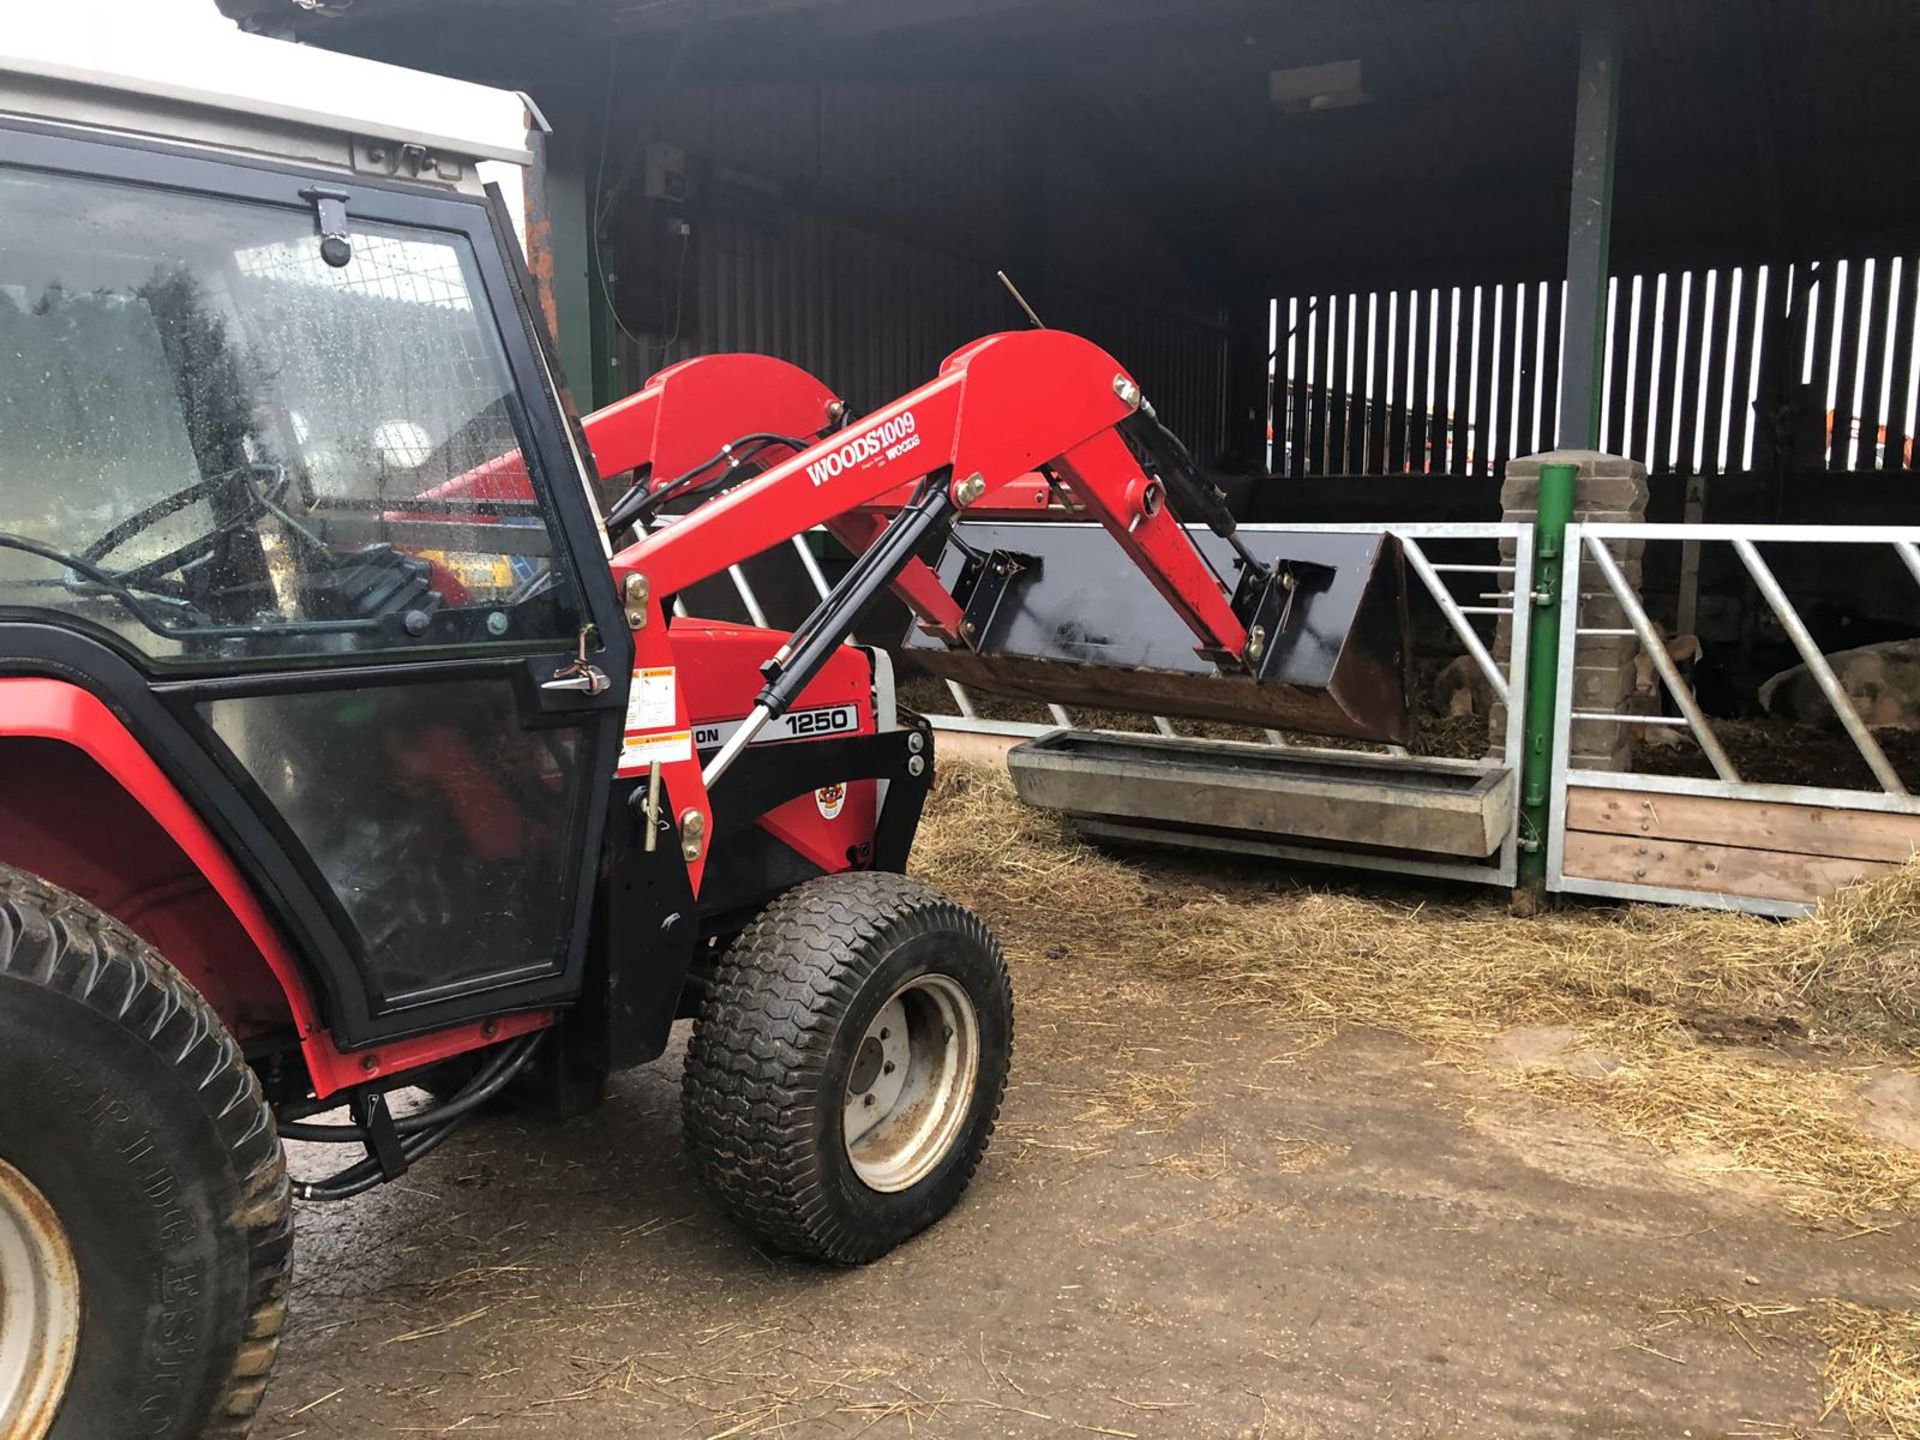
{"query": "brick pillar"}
[(1607, 488)]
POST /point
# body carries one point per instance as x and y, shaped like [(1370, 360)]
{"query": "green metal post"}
[(1552, 516)]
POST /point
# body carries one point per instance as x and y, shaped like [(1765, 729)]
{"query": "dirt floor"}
[(1198, 1219)]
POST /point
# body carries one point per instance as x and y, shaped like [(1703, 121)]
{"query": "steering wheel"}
[(259, 502)]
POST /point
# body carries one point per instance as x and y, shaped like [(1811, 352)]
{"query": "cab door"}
[(329, 510)]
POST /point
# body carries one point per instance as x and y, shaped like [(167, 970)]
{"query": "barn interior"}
[(1357, 251)]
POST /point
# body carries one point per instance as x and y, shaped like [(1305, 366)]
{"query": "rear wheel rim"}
[(911, 1084), (39, 1308)]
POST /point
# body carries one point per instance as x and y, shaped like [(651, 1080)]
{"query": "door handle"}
[(587, 679)]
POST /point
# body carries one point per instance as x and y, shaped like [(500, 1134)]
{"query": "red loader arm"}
[(1000, 409)]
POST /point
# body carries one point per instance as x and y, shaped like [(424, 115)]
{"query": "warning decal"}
[(651, 736), (650, 701), (643, 750)]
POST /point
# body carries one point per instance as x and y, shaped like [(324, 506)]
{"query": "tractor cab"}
[(242, 357)]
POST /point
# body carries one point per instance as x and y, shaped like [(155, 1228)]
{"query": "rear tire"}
[(149, 1141), (863, 1005)]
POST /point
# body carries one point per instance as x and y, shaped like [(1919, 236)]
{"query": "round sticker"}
[(830, 798)]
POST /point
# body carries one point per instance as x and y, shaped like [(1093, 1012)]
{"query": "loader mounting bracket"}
[(985, 581), (1265, 600)]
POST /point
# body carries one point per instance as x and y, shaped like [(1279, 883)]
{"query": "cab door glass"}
[(220, 448), (444, 829)]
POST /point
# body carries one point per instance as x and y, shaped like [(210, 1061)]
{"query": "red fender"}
[(55, 710)]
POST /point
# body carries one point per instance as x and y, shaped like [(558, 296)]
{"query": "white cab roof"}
[(209, 63)]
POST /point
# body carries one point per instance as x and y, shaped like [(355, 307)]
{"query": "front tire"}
[(147, 1156), (847, 1065)]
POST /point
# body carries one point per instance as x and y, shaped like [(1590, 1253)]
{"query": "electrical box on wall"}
[(666, 177)]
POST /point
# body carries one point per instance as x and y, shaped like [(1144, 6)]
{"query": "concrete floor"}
[(1220, 1231)]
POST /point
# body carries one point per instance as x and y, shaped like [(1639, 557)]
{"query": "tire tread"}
[(54, 939), (760, 1045)]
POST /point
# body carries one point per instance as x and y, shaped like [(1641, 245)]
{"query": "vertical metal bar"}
[(1419, 413), (1553, 513), (1846, 364), (1300, 385), (747, 597), (1872, 418), (1399, 412), (1723, 336), (1462, 626), (1509, 400), (1826, 299), (1817, 667), (1567, 623), (1589, 220), (1519, 657), (1903, 316), (1550, 372), (1696, 365), (1612, 383), (1480, 400), (1060, 716), (1656, 651), (962, 701), (1366, 360), (1739, 405), (1165, 727), (1339, 402), (811, 566)]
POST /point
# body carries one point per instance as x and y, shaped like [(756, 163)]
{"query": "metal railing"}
[(1504, 590), (1588, 545)]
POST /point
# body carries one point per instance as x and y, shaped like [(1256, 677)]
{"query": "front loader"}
[(360, 766)]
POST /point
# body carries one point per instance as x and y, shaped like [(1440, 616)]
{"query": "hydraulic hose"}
[(420, 1133)]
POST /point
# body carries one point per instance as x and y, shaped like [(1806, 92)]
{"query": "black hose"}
[(643, 500), (360, 1178), (1193, 496), (698, 482), (487, 1082), (421, 1133)]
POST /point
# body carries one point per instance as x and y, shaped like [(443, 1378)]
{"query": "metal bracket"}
[(634, 596), (1265, 603), (985, 584), (693, 834), (370, 1112), (330, 215)]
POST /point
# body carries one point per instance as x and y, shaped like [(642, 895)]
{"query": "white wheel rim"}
[(39, 1309), (912, 1081)]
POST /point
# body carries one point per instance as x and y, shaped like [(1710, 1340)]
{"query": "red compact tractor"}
[(347, 743)]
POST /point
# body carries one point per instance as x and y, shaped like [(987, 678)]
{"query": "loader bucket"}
[(1071, 622)]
